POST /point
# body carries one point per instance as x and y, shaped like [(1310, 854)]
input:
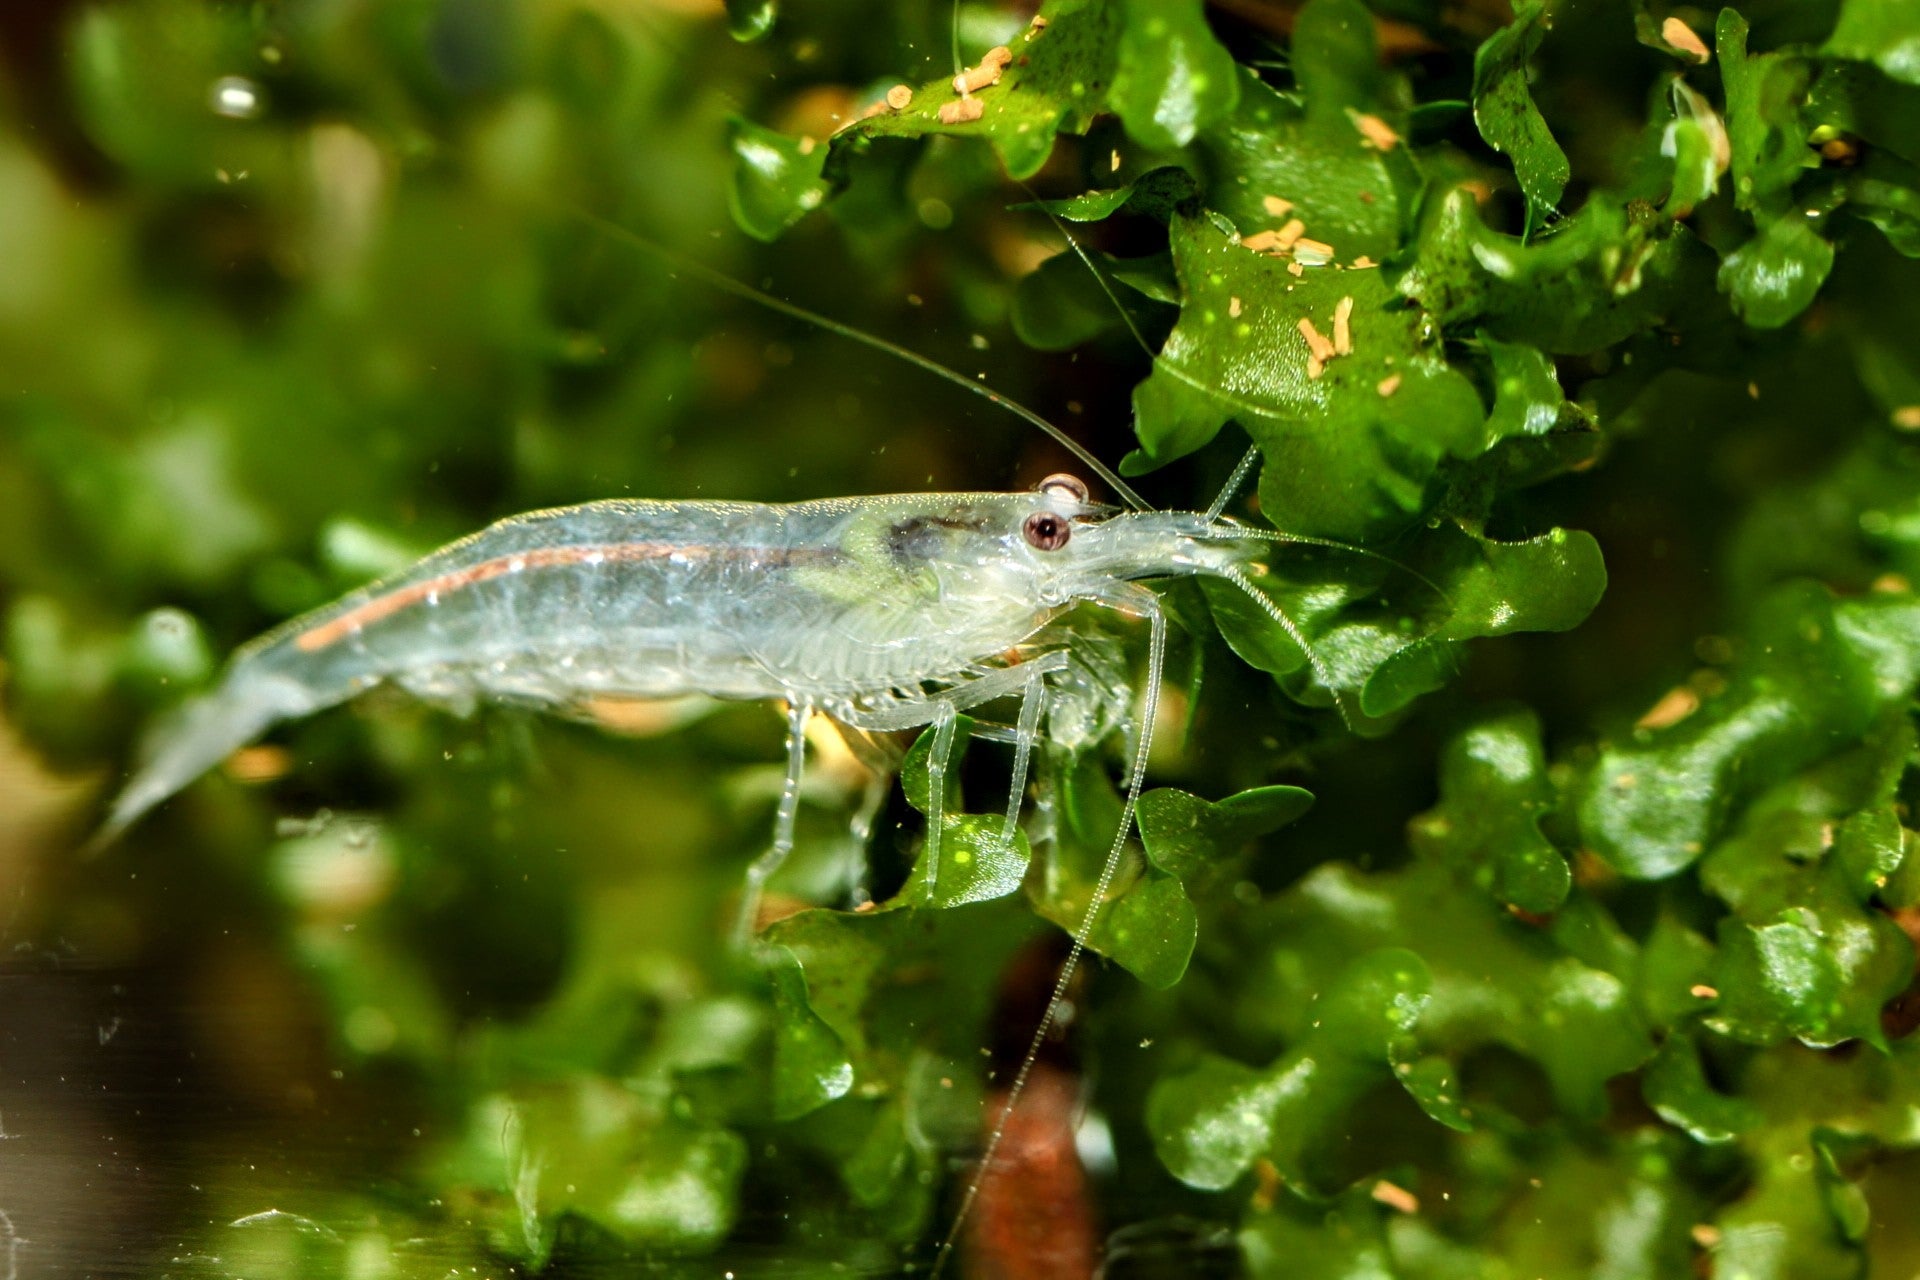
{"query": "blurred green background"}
[(1591, 958)]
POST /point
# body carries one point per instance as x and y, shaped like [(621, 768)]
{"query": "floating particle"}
[(1396, 1197), (1674, 706), (235, 97)]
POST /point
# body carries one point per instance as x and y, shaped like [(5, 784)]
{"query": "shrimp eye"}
[(1046, 531), (1062, 485)]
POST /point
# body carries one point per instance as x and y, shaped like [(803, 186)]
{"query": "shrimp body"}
[(850, 605)]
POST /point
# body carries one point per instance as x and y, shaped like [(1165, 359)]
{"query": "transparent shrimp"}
[(885, 613)]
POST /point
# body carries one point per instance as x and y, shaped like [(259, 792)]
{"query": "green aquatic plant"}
[(1548, 912)]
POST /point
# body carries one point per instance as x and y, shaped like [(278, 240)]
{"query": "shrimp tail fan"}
[(198, 736)]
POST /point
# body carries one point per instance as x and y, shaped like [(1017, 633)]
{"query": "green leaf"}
[(590, 1149), (142, 79), (1388, 631), (1527, 399), (1671, 973), (1505, 113), (1494, 979), (1883, 32), (1804, 952), (1210, 1123), (1848, 98), (1151, 930), (860, 973), (749, 20), (1798, 1215), (979, 860), (1434, 1085), (1697, 142), (1675, 1086), (1774, 276), (1272, 148), (1171, 78), (1061, 304), (1343, 460), (1493, 792), (776, 179), (1610, 271), (810, 1065), (1653, 807), (1184, 835), (1057, 83), (1300, 1241), (1337, 63), (1157, 194), (1765, 128), (980, 857), (1886, 192)]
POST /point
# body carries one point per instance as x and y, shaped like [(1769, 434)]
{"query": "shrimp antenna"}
[(1232, 486), (727, 284), (1093, 269), (1082, 936), (1321, 670), (1256, 534)]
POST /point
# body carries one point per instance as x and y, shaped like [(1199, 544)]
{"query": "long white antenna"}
[(726, 283), (1136, 777)]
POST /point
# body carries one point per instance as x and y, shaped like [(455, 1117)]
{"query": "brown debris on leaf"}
[(1378, 133), (1681, 38), (992, 63), (1343, 327), (962, 111)]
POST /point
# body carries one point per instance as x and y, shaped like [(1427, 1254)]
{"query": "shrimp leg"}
[(1032, 704), (939, 756), (799, 711), (941, 710)]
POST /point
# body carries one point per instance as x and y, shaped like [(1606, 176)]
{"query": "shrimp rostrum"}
[(885, 613)]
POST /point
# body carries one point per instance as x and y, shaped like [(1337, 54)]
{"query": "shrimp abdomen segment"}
[(547, 608), (618, 597)]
